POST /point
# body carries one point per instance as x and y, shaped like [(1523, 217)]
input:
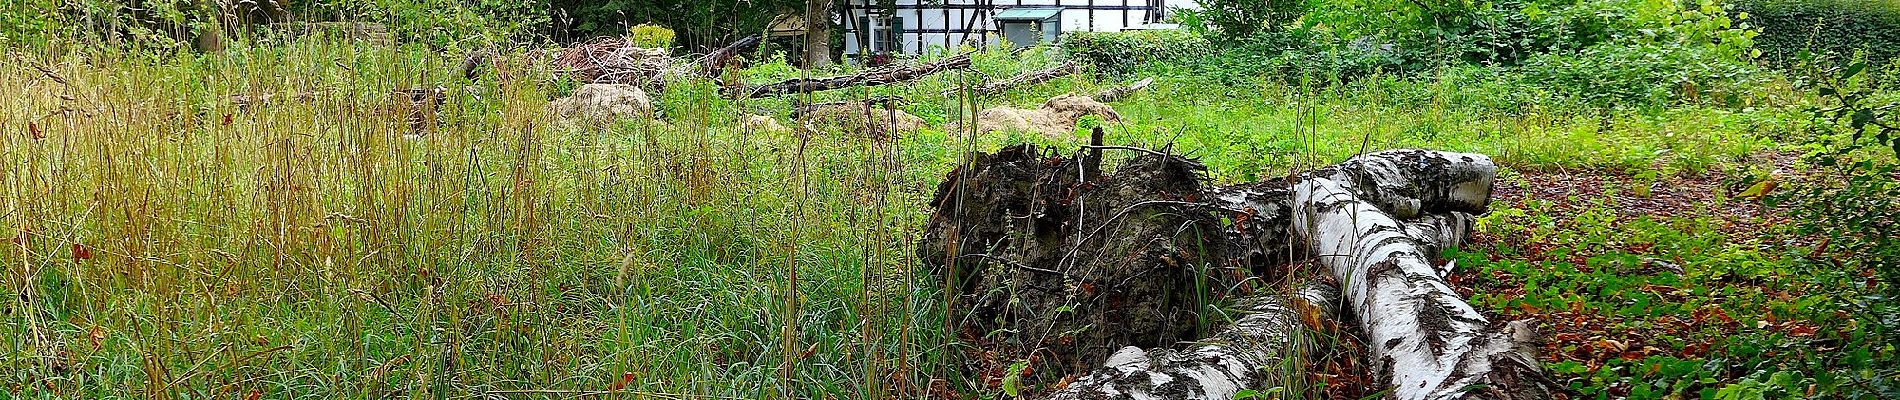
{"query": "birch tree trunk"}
[(1424, 340), (1242, 356), (1254, 352)]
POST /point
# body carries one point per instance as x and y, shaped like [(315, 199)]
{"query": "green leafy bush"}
[(1235, 19), (1430, 34), (449, 23), (1125, 52), (1610, 75), (650, 36), (1850, 196), (699, 23), (162, 26), (1838, 27)]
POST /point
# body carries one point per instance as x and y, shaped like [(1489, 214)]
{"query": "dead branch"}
[(1026, 78), (1117, 93), (710, 64), (874, 77)]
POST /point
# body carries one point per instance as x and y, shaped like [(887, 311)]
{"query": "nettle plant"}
[(1849, 199)]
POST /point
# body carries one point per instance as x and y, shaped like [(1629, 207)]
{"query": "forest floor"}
[(1667, 287)]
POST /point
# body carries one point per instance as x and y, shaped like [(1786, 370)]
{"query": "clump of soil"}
[(1056, 118), (1055, 264), (760, 123), (864, 118), (601, 102)]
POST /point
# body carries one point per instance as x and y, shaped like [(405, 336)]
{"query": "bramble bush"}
[(1126, 52), (1643, 75), (1848, 197), (1224, 19)]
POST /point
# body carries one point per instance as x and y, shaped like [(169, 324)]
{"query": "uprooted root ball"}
[(1059, 269)]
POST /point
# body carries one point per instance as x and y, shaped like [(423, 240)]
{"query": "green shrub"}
[(26, 22), (1849, 197), (1239, 19), (1838, 27), (1433, 33), (452, 23), (1120, 53), (699, 23), (650, 36), (1609, 75)]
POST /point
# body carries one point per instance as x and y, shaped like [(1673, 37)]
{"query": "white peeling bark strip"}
[(1424, 340), (1241, 357)]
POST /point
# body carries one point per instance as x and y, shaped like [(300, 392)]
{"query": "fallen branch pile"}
[(615, 60), (1093, 281)]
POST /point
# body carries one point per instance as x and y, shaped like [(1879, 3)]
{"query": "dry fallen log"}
[(874, 77), (1426, 342), (1246, 354), (1117, 93), (1026, 78), (710, 64)]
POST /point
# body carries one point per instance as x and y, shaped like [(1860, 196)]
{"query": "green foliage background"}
[(1839, 27)]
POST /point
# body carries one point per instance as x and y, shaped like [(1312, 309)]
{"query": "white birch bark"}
[(1242, 356), (1424, 340)]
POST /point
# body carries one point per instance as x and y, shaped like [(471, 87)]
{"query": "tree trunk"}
[(817, 33), (1243, 356), (1424, 340)]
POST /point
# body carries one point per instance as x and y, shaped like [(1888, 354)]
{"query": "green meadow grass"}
[(173, 244)]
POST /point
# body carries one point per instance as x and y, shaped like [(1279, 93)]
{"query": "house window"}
[(890, 35)]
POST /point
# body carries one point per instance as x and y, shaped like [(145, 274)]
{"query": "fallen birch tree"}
[(1374, 222), (1424, 340), (1268, 335)]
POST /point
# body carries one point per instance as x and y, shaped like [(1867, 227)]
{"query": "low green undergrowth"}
[(1649, 299)]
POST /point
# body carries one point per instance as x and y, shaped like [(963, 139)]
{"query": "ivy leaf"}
[(1861, 118), (1852, 70)]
